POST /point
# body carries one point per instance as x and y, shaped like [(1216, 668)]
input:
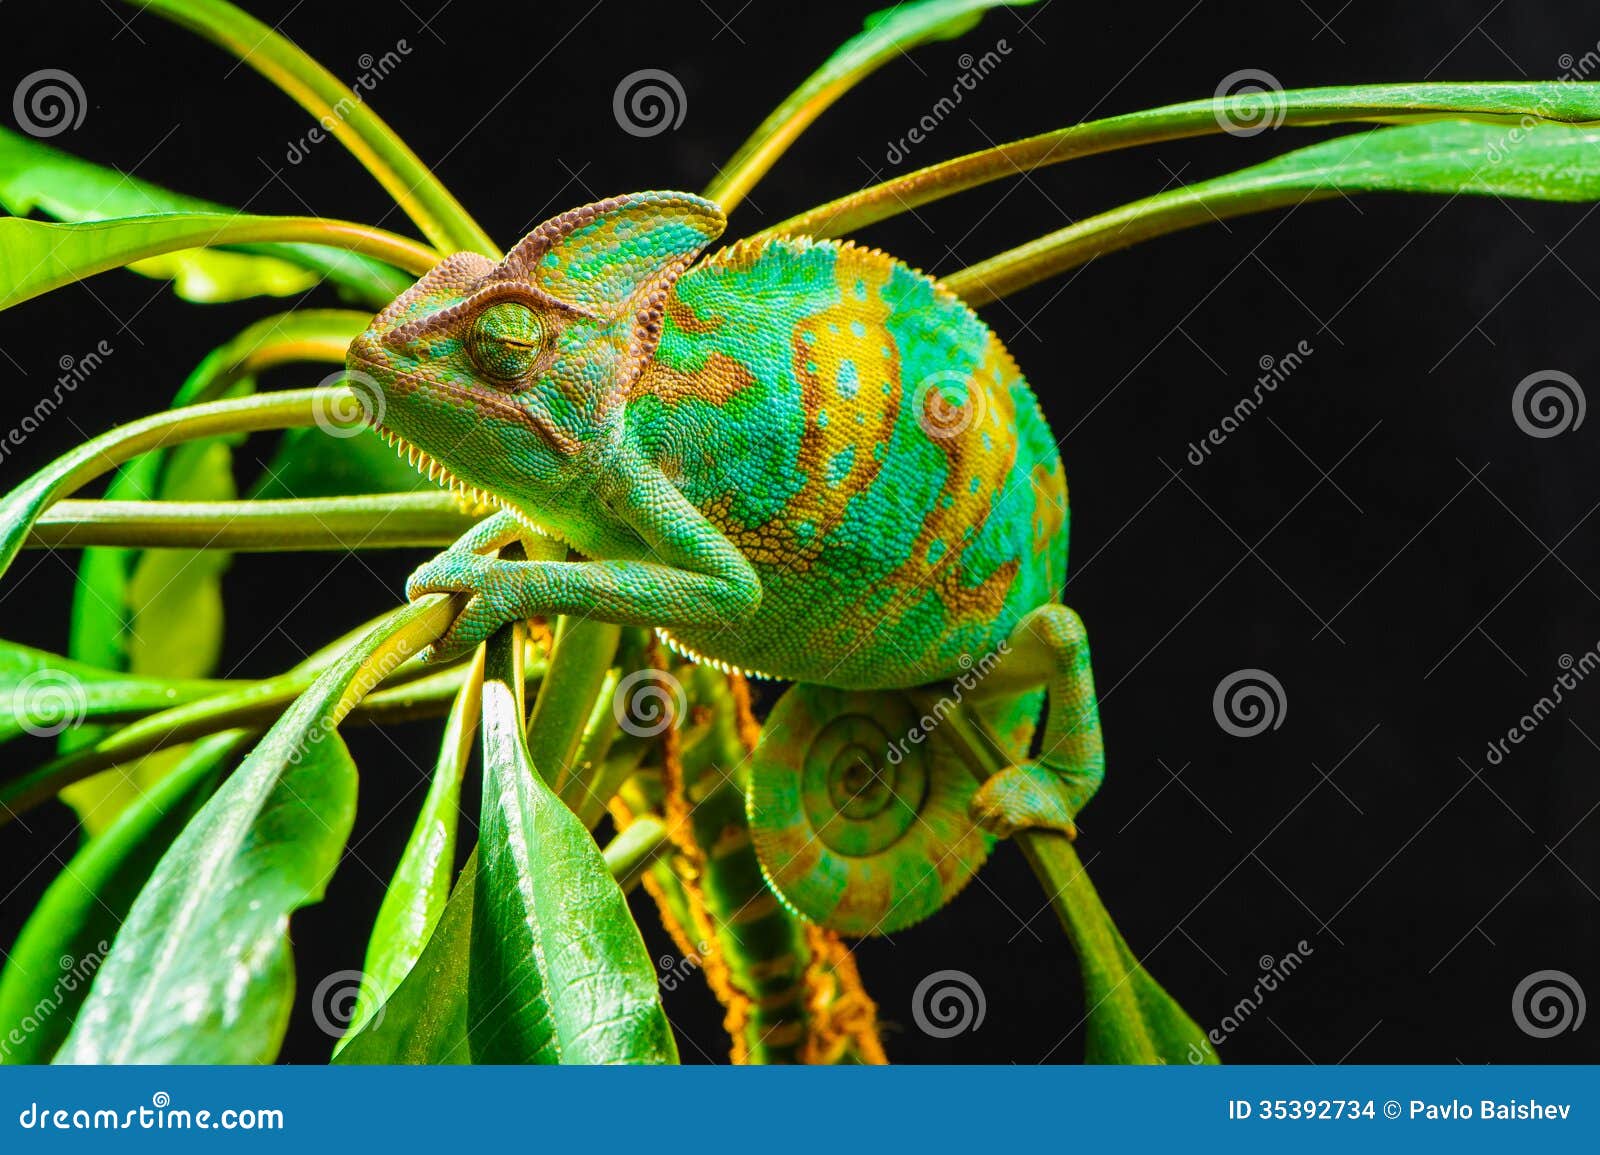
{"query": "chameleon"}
[(795, 459)]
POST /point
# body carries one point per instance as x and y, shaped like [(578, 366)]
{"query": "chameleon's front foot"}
[(494, 595)]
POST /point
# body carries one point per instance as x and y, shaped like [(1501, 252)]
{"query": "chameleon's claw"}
[(1027, 796), (461, 572)]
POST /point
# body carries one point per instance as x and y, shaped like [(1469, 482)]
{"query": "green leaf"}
[(1131, 1019), (1245, 113), (338, 110), (66, 938), (559, 972), (38, 256), (201, 971), (425, 1020), (887, 34), (1555, 162), (421, 886), (34, 177), (44, 694)]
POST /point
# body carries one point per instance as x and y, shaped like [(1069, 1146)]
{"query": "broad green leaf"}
[(125, 599), (416, 896), (66, 938), (1555, 162), (887, 34), (44, 694), (425, 1020), (1130, 1018), (1245, 113), (38, 256), (34, 177), (337, 110), (201, 971), (559, 973)]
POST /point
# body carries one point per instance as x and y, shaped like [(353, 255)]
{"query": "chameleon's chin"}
[(434, 470)]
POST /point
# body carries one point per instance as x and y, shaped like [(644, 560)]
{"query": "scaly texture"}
[(801, 459)]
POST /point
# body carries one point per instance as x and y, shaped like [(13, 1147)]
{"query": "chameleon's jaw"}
[(434, 470)]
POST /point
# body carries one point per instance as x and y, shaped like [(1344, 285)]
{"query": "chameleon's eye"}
[(504, 341)]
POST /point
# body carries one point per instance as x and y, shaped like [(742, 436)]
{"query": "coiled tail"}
[(858, 810)]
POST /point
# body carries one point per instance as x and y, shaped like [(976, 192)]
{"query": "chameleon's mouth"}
[(435, 470), (438, 473)]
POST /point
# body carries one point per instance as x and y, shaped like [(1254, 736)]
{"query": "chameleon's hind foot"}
[(1023, 797)]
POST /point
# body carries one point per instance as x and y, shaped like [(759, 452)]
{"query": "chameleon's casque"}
[(796, 458)]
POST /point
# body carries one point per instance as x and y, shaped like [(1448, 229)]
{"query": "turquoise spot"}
[(861, 290), (839, 467), (935, 550), (849, 380), (857, 329), (973, 487), (822, 418), (551, 260), (811, 366)]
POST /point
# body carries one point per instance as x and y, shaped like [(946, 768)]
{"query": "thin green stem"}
[(1508, 103), (378, 521), (339, 111)]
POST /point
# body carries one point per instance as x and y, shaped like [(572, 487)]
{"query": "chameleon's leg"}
[(666, 565), (1048, 791)]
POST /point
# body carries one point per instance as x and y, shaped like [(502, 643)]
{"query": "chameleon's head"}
[(510, 378)]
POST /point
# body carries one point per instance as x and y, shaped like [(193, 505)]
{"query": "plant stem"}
[(377, 521)]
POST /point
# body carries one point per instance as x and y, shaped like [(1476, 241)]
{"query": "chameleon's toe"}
[(480, 616), (1023, 797)]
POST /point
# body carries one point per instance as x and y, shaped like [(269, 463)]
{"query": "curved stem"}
[(339, 111), (386, 521), (1510, 103)]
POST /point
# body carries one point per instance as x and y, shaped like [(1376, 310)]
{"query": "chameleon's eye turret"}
[(505, 342)]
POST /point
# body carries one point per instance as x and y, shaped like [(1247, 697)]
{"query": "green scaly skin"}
[(799, 459)]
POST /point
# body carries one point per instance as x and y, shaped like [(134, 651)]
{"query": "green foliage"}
[(176, 910)]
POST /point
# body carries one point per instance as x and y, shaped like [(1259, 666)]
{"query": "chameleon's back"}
[(870, 446)]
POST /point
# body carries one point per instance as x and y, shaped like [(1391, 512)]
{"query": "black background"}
[(1381, 537)]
